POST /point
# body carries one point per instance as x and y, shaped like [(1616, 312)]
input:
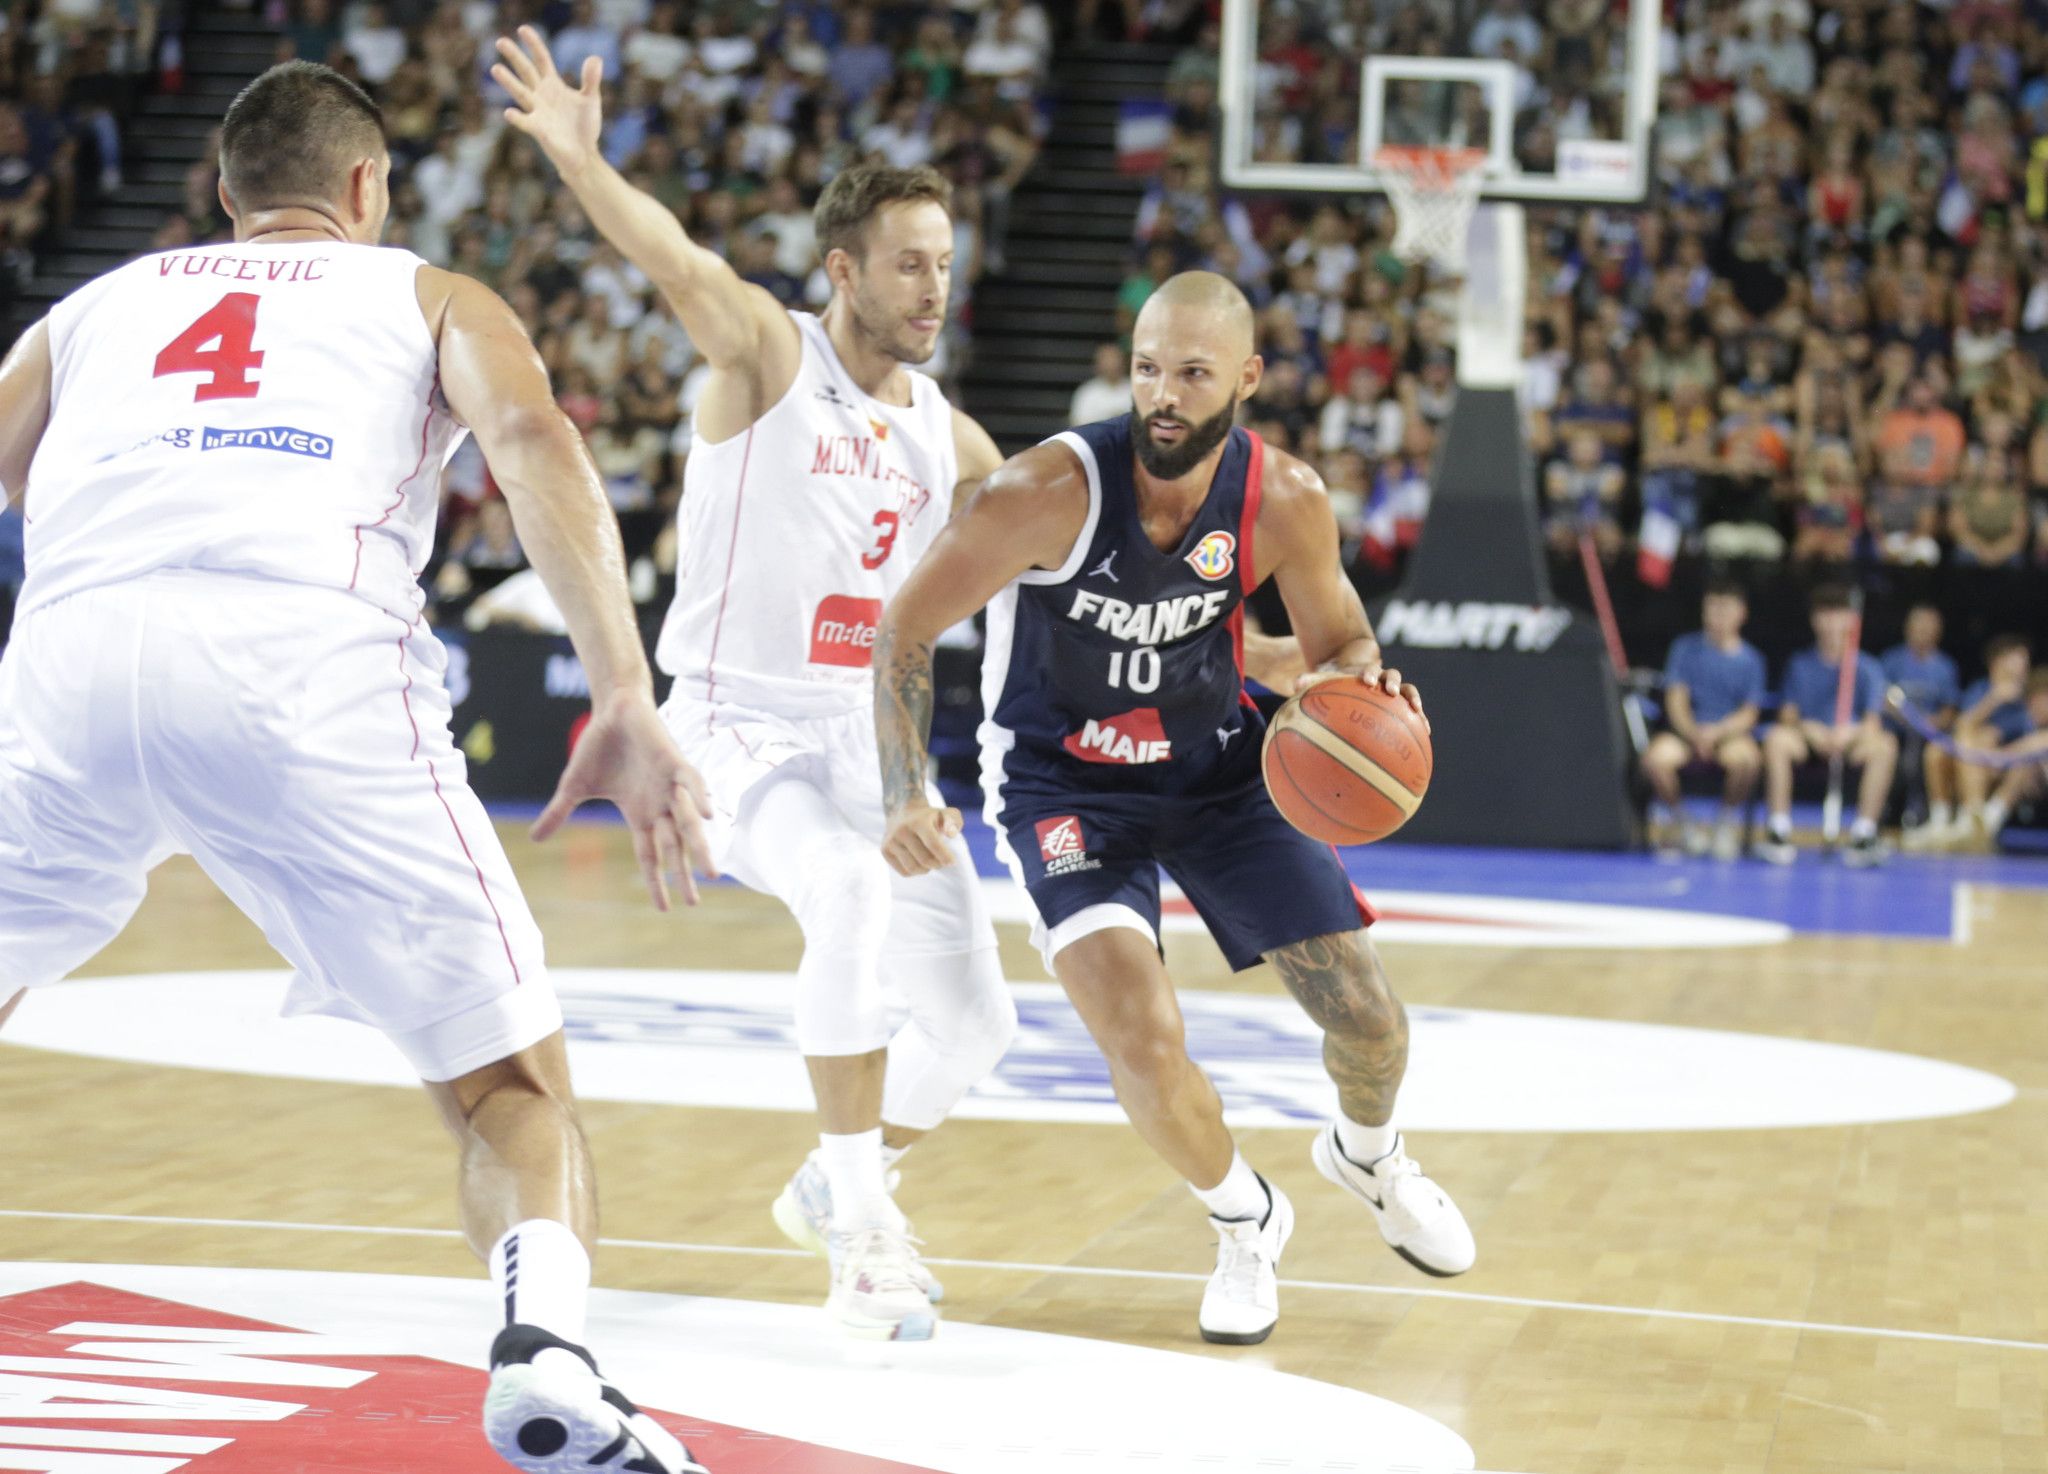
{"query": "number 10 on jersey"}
[(1140, 673)]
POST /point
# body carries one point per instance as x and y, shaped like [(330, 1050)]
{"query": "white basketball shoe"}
[(875, 1291), (1242, 1303), (803, 1212), (1416, 1217), (549, 1412)]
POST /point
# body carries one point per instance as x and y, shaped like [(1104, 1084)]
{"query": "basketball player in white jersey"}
[(229, 459), (821, 469)]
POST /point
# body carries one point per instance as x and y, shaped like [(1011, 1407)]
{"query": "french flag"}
[(1382, 534), (1143, 130), (1656, 544)]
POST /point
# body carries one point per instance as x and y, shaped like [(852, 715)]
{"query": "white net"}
[(1434, 192)]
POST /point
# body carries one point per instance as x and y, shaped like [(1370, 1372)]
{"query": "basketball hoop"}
[(1434, 191)]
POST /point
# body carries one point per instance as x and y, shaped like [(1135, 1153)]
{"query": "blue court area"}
[(1913, 896)]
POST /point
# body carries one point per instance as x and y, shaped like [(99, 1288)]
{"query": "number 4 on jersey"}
[(220, 345)]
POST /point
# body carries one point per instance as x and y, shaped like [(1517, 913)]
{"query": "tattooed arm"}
[(1026, 515)]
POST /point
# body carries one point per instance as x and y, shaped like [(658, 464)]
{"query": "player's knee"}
[(1741, 756), (842, 896), (1145, 1060), (985, 1025), (1781, 744)]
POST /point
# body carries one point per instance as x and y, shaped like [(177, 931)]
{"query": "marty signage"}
[(1472, 625)]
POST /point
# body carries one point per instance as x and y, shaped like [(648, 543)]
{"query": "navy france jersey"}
[(1122, 670), (1119, 741)]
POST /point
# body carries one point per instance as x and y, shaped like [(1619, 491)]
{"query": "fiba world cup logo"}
[(1214, 556)]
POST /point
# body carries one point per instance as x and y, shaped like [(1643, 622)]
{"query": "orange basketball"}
[(1346, 762)]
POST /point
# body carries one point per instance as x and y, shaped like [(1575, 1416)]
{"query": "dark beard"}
[(1171, 462)]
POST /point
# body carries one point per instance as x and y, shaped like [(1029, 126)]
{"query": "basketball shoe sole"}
[(548, 1411)]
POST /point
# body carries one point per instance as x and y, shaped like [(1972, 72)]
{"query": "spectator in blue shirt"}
[(860, 64), (1926, 676), (1994, 716), (1806, 731), (1713, 694), (1986, 816), (582, 39)]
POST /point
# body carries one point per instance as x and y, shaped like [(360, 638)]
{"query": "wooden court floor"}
[(1867, 1298)]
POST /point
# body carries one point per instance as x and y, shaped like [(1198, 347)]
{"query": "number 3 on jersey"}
[(229, 326), (886, 527)]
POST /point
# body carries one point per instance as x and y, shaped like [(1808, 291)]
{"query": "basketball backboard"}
[(1562, 102)]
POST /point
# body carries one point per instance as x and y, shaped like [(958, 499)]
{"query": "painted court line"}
[(1087, 1271)]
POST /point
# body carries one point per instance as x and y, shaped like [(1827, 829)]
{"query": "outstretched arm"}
[(1298, 527), (24, 408), (731, 322), (1025, 516), (495, 384)]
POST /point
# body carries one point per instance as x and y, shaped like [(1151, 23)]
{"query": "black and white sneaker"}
[(1864, 851), (548, 1411)]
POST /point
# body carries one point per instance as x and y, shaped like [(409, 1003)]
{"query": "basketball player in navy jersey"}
[(1114, 561)]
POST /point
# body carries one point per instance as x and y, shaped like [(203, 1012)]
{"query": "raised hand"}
[(563, 120)]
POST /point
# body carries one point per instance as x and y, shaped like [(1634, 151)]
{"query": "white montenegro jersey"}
[(795, 533), (246, 409)]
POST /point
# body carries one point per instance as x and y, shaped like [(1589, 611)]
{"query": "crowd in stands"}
[(69, 72), (1824, 340), (733, 114)]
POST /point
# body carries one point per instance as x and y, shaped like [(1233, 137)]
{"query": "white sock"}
[(1365, 1144), (542, 1271), (1940, 816), (891, 1155), (1863, 828), (1781, 826), (853, 1166), (1239, 1195), (1660, 812), (1996, 812)]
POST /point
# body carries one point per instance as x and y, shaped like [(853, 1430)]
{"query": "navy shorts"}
[(1257, 882)]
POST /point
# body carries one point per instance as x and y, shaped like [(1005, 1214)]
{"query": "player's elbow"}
[(515, 427)]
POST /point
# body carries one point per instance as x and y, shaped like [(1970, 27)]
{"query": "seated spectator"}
[(1991, 716), (1364, 418), (1990, 795), (1919, 443), (375, 44), (1678, 452), (860, 64), (1595, 403), (1806, 731), (1584, 492), (1105, 395), (1922, 672), (1713, 696), (1830, 512), (1400, 488), (24, 193), (1739, 502), (1988, 519), (1429, 395)]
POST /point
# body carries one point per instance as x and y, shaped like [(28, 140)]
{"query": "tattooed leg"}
[(1338, 981)]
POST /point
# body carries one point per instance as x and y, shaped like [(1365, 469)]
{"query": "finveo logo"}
[(269, 437), (1471, 625)]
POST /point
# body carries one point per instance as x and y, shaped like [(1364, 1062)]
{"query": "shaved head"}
[(1200, 307), (1193, 360)]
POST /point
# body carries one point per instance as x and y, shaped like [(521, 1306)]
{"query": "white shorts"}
[(738, 749), (295, 742)]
